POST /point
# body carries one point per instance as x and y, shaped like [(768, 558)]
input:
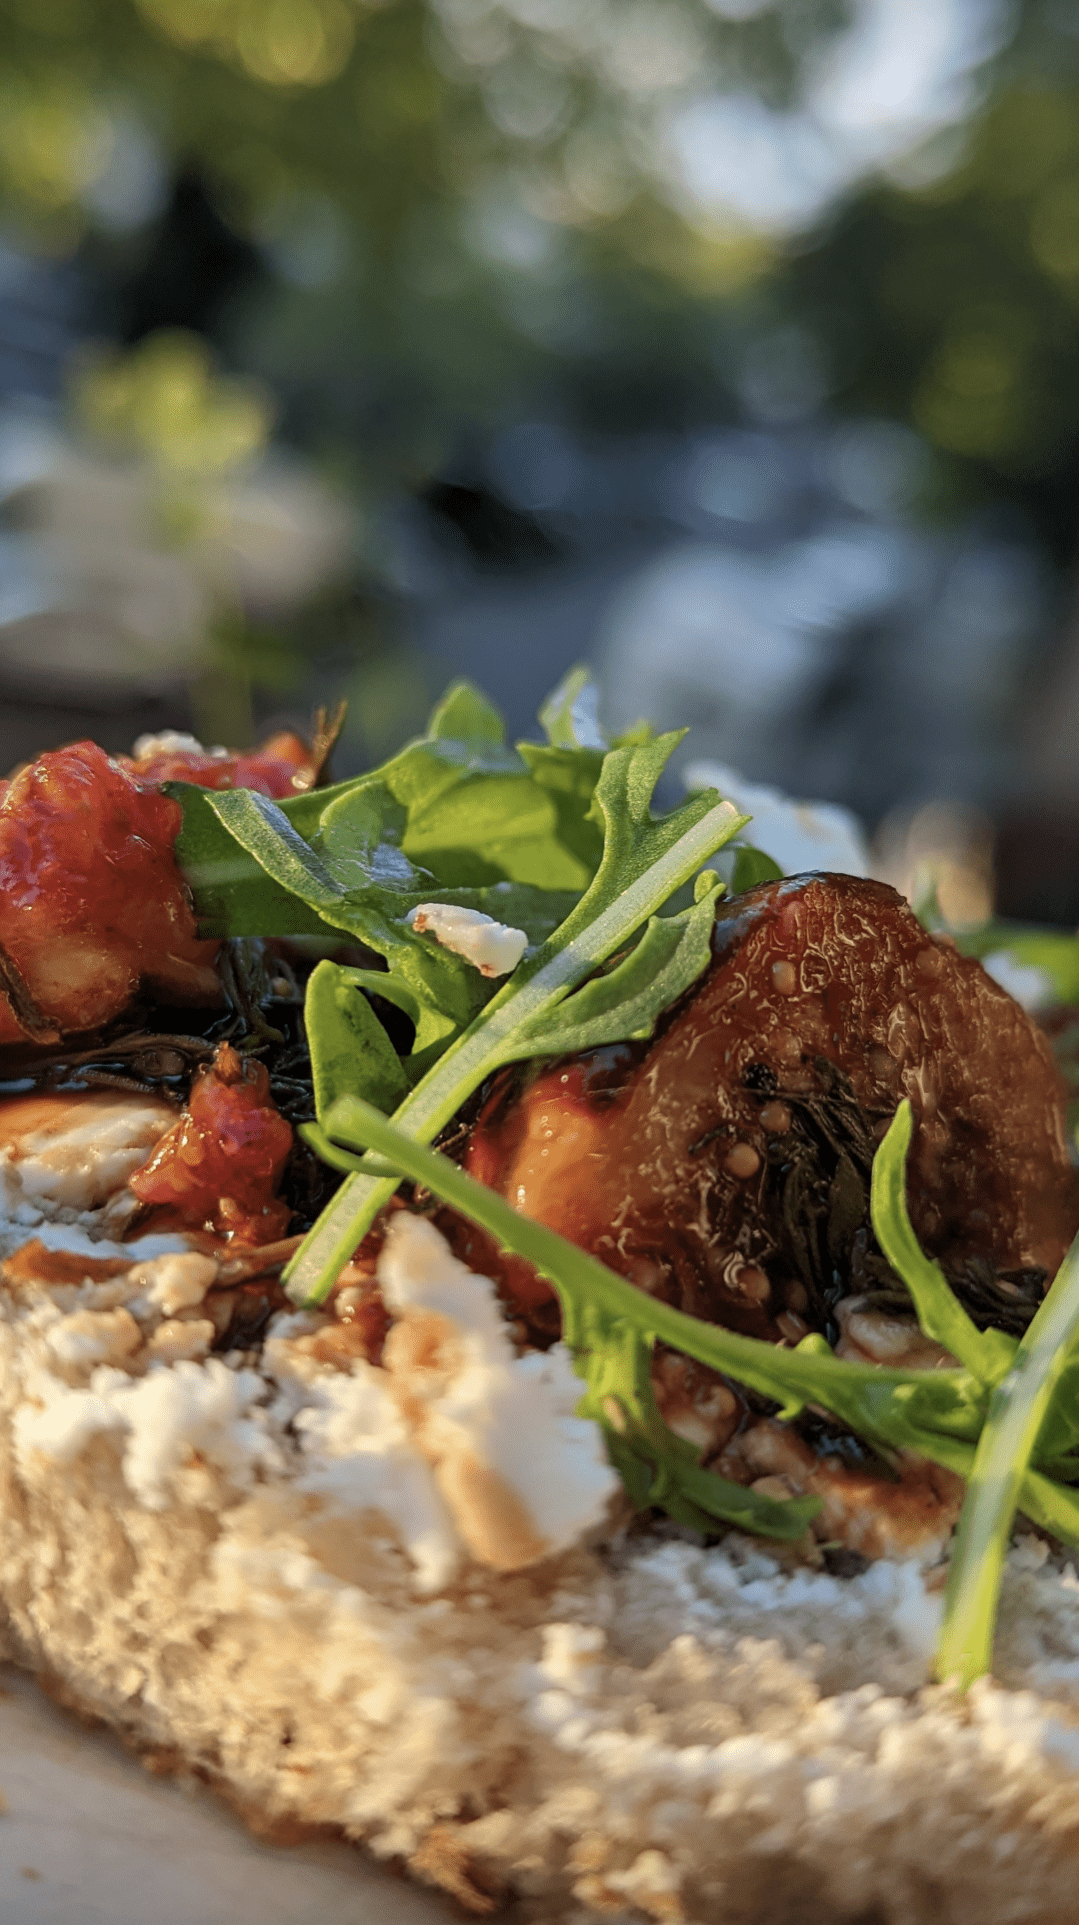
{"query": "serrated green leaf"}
[(569, 777), (1016, 1417), (627, 1001), (233, 894), (645, 860)]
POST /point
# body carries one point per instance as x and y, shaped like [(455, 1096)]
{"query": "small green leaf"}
[(233, 894), (570, 714), (1056, 951), (569, 777), (752, 866), (350, 1050), (465, 715), (626, 1002)]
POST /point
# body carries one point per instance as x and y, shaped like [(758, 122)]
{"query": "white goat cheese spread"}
[(494, 948)]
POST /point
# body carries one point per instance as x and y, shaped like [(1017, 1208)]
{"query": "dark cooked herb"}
[(815, 1197), (815, 1189), (241, 966), (1004, 1299), (761, 1079), (243, 1313), (144, 1061)]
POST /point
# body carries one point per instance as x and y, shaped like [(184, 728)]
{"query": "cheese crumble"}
[(464, 1448), (494, 948)]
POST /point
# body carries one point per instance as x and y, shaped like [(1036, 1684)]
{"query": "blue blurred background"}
[(350, 345)]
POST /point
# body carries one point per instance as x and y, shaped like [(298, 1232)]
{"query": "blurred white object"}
[(1032, 987), (749, 639), (133, 590), (799, 836)]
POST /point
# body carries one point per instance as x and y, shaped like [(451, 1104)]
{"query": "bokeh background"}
[(347, 346)]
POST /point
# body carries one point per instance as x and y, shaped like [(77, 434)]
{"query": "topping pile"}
[(674, 1108)]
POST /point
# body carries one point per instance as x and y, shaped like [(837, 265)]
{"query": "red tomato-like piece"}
[(91, 900), (280, 768), (219, 1165)]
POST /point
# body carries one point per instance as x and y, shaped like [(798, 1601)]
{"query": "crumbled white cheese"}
[(74, 1152), (799, 836), (163, 1417), (78, 1240), (359, 1456), (171, 742), (461, 1445), (1032, 987), (481, 1413), (179, 1338), (173, 1282), (94, 1336), (494, 948)]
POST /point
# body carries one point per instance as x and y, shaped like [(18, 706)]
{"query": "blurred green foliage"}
[(955, 303), (464, 221), (486, 176)]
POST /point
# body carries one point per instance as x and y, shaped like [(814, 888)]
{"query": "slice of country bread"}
[(642, 1729)]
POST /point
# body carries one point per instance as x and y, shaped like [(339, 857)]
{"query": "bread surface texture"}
[(647, 1730)]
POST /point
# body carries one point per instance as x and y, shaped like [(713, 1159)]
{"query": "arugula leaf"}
[(570, 716), (354, 1049), (612, 1349), (657, 1468), (888, 1407), (1032, 1411), (988, 1354), (645, 860), (464, 714), (997, 1478), (233, 895), (569, 777), (752, 866)]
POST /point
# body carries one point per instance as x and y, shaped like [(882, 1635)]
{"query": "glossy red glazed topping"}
[(674, 1161), (92, 903), (219, 1165), (91, 900), (280, 768)]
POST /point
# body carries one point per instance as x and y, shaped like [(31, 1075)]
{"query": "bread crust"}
[(650, 1730)]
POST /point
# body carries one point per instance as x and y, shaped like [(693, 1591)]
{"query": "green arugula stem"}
[(988, 1354), (997, 1478), (861, 1394), (489, 1041), (874, 1401)]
